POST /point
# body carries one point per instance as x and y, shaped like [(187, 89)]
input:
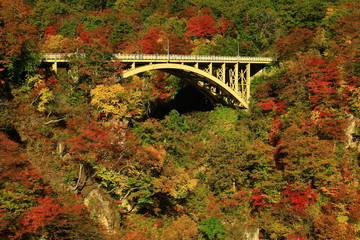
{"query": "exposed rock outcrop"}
[(102, 209), (352, 138)]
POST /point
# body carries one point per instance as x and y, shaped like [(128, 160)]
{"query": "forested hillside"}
[(86, 156)]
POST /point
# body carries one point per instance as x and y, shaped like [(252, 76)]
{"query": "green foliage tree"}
[(46, 13), (301, 14), (212, 228)]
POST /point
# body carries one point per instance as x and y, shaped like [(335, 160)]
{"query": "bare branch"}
[(54, 121), (78, 181)]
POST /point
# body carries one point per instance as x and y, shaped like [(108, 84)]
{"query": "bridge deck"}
[(64, 57)]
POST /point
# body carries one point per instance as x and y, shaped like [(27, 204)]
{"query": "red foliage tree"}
[(50, 31), (276, 127), (41, 215), (153, 41), (258, 199), (16, 33), (201, 26), (327, 98), (297, 42), (20, 186), (300, 199), (90, 141), (324, 83), (7, 146), (273, 104), (224, 26), (84, 36)]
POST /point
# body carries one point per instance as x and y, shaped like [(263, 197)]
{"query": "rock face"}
[(352, 138), (102, 209), (251, 234), (99, 203)]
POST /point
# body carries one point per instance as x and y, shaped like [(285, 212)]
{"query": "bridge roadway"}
[(224, 79)]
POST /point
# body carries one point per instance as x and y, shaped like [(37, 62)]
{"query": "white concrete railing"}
[(58, 56), (171, 57)]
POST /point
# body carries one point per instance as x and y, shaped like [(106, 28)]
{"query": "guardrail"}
[(155, 57), (59, 56)]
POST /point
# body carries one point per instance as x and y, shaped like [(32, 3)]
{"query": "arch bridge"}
[(225, 79)]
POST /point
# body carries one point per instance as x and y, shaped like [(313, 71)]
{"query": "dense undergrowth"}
[(76, 148)]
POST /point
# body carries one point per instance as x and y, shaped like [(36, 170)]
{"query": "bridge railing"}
[(163, 57), (173, 57), (59, 56)]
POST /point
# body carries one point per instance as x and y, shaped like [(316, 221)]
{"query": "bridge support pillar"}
[(54, 67), (248, 83), (237, 78), (224, 72)]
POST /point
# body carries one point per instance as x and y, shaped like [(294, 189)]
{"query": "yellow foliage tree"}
[(46, 95), (117, 101), (54, 43), (177, 185)]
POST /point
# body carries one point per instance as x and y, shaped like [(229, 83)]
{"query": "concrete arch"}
[(173, 66)]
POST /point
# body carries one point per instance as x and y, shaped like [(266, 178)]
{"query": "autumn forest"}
[(85, 154)]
